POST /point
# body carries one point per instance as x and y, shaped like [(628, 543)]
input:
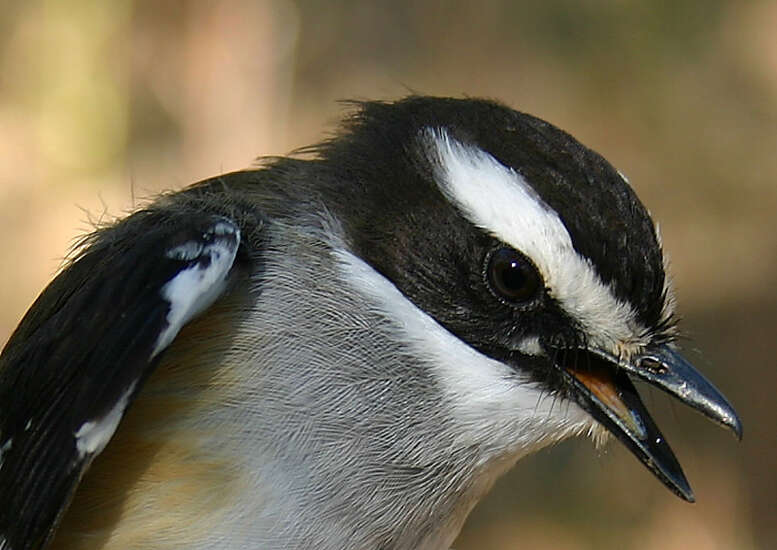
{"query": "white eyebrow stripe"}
[(500, 201)]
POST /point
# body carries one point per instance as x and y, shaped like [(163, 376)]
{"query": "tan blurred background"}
[(103, 103)]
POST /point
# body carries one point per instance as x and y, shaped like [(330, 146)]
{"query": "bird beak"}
[(603, 388)]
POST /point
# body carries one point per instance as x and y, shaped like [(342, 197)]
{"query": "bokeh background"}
[(104, 103)]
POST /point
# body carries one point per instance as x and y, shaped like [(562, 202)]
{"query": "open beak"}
[(603, 388)]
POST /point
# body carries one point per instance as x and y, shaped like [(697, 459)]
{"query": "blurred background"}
[(105, 103)]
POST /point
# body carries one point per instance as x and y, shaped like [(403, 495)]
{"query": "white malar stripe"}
[(500, 201), (94, 435), (193, 290), (496, 405)]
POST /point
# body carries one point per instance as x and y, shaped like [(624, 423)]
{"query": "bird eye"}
[(512, 276)]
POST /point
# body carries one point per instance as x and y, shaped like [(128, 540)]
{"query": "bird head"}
[(538, 272)]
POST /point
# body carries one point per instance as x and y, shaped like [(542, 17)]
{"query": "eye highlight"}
[(511, 276)]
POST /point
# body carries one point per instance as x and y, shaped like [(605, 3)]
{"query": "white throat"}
[(498, 408)]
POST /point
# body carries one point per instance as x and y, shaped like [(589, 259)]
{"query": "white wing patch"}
[(189, 293), (500, 201), (4, 449), (94, 435), (194, 289)]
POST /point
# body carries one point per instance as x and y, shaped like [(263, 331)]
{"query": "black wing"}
[(89, 341)]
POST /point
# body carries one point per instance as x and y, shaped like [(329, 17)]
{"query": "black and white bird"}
[(343, 349)]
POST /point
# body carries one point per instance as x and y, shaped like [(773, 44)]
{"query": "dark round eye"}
[(512, 276)]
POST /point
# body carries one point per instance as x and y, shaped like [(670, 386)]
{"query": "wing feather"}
[(83, 350)]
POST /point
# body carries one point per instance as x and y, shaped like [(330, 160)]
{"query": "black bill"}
[(602, 387)]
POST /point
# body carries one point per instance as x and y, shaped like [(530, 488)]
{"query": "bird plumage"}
[(362, 372)]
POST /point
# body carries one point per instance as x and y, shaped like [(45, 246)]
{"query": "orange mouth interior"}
[(600, 381)]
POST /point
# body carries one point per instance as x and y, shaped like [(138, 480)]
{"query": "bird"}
[(345, 347)]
